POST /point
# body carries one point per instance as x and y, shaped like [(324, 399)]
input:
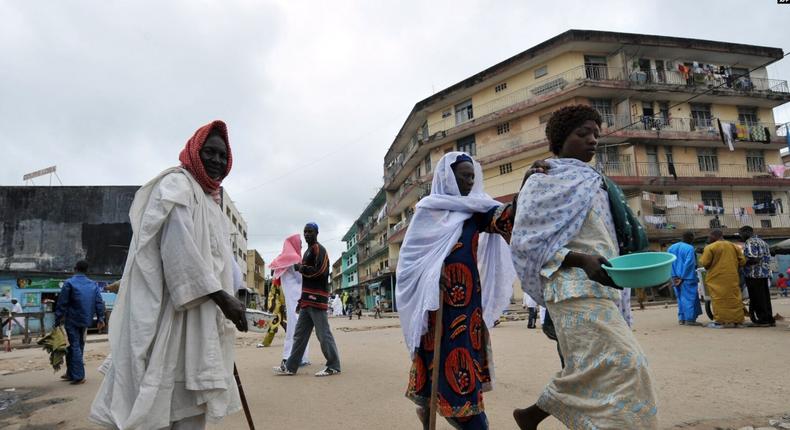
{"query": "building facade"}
[(684, 164), (256, 270), (348, 263), (374, 273), (337, 274), (44, 231), (238, 230)]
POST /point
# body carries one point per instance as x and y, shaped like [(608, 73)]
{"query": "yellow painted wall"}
[(555, 66)]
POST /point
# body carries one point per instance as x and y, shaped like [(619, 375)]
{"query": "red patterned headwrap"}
[(190, 156)]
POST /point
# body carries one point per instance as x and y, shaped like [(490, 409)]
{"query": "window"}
[(595, 67), (466, 144), (446, 113), (503, 128), (422, 133), (463, 112), (713, 202), (747, 116), (505, 168), (763, 202), (739, 72), (607, 156), (228, 211), (765, 223), (663, 109), (668, 153), (501, 87), (427, 164), (700, 116), (755, 160), (708, 159), (604, 107), (541, 71)]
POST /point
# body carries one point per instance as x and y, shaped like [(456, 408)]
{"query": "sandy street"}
[(706, 379)]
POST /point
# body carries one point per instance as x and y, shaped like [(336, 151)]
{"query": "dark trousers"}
[(75, 367), (308, 319), (760, 300), (533, 316)]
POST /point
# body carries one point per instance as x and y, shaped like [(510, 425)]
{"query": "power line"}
[(353, 142)]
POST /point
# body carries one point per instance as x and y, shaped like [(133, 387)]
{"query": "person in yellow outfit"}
[(722, 259), (276, 305)]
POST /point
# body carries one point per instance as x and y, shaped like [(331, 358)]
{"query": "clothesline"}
[(671, 201)]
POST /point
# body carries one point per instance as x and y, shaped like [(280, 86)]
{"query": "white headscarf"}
[(434, 230)]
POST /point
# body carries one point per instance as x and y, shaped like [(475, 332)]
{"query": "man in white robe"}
[(337, 306), (172, 330)]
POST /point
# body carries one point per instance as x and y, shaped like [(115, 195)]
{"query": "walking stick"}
[(437, 351), (243, 398)]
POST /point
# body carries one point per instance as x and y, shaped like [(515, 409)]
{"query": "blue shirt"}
[(685, 266), (79, 300)]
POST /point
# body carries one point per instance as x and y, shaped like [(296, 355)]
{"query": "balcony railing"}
[(752, 132), (544, 86), (705, 168), (402, 224), (554, 83), (512, 140), (675, 78), (724, 221), (372, 250)]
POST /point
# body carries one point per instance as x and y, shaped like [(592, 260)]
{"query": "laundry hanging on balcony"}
[(727, 132), (671, 169), (777, 170)]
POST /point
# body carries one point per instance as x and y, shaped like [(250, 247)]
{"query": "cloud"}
[(313, 92)]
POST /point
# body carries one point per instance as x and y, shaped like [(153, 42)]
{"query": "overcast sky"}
[(313, 92)]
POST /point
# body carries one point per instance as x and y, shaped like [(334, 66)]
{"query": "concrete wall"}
[(47, 229)]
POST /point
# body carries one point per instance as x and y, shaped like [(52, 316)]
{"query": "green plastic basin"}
[(642, 270)]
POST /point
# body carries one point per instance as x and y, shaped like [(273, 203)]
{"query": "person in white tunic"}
[(291, 283), (337, 306), (173, 327)]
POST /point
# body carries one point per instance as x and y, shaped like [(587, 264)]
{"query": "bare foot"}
[(422, 414), (529, 418)]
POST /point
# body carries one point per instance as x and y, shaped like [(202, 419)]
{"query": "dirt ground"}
[(705, 378)]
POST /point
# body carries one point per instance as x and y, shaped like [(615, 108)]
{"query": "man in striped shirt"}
[(312, 308)]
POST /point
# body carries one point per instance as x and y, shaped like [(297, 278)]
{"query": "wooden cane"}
[(437, 351), (243, 398)]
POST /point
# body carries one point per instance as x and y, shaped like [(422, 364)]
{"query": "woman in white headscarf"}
[(455, 229)]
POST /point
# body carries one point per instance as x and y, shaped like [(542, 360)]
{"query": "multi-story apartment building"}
[(238, 230), (374, 273), (337, 274), (662, 99), (256, 269), (348, 264)]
